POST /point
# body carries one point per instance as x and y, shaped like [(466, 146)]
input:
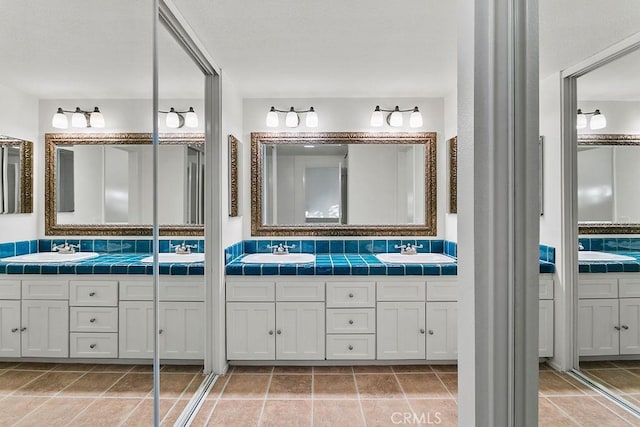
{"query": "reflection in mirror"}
[(102, 183), (453, 175), (343, 183), (607, 176), (234, 148), (15, 176)]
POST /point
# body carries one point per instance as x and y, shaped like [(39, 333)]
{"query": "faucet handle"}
[(418, 246), (289, 246), (400, 246)]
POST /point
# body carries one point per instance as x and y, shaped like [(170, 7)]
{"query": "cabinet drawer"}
[(187, 290), (250, 291), (93, 293), (629, 288), (597, 288), (546, 289), (93, 319), (401, 291), (45, 289), (355, 346), (351, 321), (93, 345), (136, 290), (9, 289), (299, 291), (442, 291), (344, 294)]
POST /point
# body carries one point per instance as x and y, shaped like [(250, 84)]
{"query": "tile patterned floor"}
[(39, 394), (380, 396), (622, 377)]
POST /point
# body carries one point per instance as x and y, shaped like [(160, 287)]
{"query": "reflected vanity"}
[(16, 181), (101, 184), (341, 183)]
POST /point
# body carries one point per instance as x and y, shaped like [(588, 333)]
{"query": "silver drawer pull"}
[(422, 331), (278, 332), (625, 327), (350, 347), (350, 295), (92, 294), (93, 345), (430, 332), (14, 330), (92, 320), (617, 328), (23, 329), (350, 322), (271, 332)]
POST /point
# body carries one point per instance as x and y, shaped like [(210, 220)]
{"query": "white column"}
[(498, 213)]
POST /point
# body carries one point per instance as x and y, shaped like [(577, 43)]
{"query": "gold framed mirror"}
[(453, 175), (233, 176), (16, 176), (100, 184), (343, 184)]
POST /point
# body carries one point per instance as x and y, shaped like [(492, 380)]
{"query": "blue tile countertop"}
[(612, 267), (125, 263)]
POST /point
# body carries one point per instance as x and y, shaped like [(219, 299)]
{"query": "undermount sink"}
[(591, 256), (174, 258), (419, 258), (279, 258), (51, 257)]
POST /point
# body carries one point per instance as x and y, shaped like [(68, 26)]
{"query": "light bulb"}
[(376, 118), (191, 119), (272, 118), (396, 118), (581, 120), (312, 118), (173, 120), (96, 119), (78, 120), (598, 121), (415, 119), (59, 120), (292, 120)]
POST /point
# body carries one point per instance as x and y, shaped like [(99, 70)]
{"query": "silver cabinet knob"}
[(278, 332), (92, 294), (93, 345), (350, 322), (422, 331), (617, 328), (625, 327), (161, 331), (14, 330), (92, 320), (430, 332), (24, 328), (271, 332), (350, 347), (350, 295)]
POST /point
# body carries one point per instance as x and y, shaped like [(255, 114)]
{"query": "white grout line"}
[(355, 380), (406, 399), (313, 382), (437, 374), (264, 402)]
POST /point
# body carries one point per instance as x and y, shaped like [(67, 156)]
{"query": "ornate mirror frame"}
[(453, 175), (610, 140), (233, 176), (258, 139), (54, 140), (26, 171)]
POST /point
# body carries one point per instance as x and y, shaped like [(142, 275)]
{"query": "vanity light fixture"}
[(292, 119), (177, 119), (395, 119), (598, 121), (79, 118)]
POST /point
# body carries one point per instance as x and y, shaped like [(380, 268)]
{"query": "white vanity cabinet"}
[(401, 330), (251, 327), (10, 322)]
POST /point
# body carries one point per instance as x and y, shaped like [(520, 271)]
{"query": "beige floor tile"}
[(294, 386), (550, 415), (444, 368), (626, 415), (287, 370), (552, 384), (142, 415), (246, 387), (544, 367), (422, 386), (143, 368), (442, 412), (73, 367), (13, 409), (183, 369), (629, 364), (618, 379), (237, 413), (290, 413), (13, 380), (92, 384), (586, 411), (106, 412), (201, 418), (381, 386), (251, 370), (329, 370), (132, 385), (174, 413), (337, 413), (34, 366), (450, 381), (8, 365), (49, 384), (112, 368), (596, 364), (410, 369), (334, 387), (57, 411), (372, 369), (174, 385), (218, 386), (379, 413)]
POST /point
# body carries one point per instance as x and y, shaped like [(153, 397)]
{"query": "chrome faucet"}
[(408, 249), (65, 248), (183, 248), (580, 247), (280, 249)]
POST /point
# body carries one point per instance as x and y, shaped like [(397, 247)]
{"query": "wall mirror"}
[(608, 174), (453, 175), (100, 184), (16, 180), (234, 147), (343, 184)]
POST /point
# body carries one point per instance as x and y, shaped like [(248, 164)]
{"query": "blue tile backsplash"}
[(609, 244)]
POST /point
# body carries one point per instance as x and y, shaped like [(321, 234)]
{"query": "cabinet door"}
[(442, 330), (181, 330), (10, 329), (300, 331), (45, 328), (597, 323), (630, 326), (135, 332), (401, 330), (545, 329), (251, 331)]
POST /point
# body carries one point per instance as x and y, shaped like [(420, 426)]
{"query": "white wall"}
[(342, 115), (450, 130), (19, 119)]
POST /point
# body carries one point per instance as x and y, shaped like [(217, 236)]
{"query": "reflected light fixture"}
[(177, 119), (79, 118), (292, 119), (598, 121), (395, 119)]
